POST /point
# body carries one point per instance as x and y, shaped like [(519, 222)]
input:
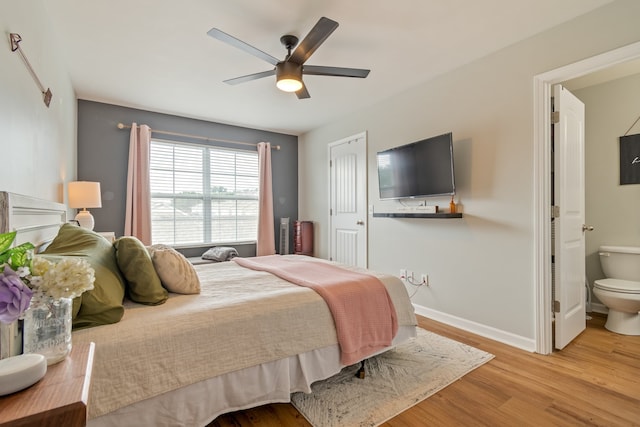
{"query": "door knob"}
[(360, 222), (587, 227)]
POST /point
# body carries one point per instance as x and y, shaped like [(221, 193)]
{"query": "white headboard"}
[(36, 220)]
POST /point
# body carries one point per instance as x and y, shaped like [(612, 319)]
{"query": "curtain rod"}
[(203, 138)]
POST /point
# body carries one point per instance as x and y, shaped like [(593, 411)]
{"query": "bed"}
[(247, 339)]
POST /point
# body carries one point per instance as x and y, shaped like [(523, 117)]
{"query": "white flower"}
[(35, 281), (40, 265), (23, 271), (68, 278)]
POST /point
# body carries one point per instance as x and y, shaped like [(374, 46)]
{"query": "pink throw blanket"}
[(362, 310)]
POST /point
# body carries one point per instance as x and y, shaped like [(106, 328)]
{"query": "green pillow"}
[(143, 283), (103, 304)]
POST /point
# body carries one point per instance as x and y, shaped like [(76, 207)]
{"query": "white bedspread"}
[(242, 318)]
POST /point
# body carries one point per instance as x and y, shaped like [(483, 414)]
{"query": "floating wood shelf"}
[(445, 215)]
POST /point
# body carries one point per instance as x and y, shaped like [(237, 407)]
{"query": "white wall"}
[(481, 266), (38, 144), (613, 209)]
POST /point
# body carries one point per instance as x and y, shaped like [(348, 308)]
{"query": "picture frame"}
[(630, 159)]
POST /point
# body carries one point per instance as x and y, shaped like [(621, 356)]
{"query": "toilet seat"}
[(618, 285)]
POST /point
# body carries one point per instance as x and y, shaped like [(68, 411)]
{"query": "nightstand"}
[(109, 235), (58, 399)]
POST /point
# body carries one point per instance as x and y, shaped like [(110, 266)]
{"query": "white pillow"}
[(175, 271)]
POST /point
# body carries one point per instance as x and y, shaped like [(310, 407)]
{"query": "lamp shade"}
[(289, 76), (84, 194)]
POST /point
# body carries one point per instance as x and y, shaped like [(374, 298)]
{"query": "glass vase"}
[(10, 339), (47, 329)]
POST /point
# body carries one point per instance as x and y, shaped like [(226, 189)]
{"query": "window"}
[(202, 194)]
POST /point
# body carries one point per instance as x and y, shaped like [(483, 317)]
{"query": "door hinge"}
[(330, 211), (330, 163), (555, 117), (556, 306), (555, 211)]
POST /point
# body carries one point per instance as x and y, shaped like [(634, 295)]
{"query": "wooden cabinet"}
[(58, 399), (303, 238)]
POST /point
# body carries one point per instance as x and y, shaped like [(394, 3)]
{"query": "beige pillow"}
[(175, 271)]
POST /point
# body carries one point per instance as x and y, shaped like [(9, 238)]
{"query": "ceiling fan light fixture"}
[(289, 76), (289, 71), (289, 85)]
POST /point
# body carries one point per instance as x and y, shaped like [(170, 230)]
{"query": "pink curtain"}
[(266, 235), (138, 208)]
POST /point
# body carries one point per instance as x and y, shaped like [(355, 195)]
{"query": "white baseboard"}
[(599, 308), (527, 344)]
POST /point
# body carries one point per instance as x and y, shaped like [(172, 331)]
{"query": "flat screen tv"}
[(420, 169)]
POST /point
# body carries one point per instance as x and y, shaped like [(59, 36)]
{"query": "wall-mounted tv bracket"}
[(15, 40)]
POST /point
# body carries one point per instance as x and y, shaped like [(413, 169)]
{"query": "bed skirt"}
[(200, 403)]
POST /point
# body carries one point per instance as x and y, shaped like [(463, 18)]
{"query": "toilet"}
[(620, 291)]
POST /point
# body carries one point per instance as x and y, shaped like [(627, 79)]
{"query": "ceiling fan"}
[(289, 71)]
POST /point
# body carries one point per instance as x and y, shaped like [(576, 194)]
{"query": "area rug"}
[(395, 381)]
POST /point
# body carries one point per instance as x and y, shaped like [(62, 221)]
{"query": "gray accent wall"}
[(103, 151)]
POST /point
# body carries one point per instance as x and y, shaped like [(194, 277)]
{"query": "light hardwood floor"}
[(594, 381)]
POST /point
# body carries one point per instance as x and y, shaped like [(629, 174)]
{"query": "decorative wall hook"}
[(15, 46)]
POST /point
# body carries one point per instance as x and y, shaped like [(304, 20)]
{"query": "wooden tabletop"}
[(58, 399)]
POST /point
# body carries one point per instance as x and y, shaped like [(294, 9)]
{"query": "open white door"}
[(569, 213), (348, 201)]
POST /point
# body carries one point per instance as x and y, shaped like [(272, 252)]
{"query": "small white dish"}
[(20, 372)]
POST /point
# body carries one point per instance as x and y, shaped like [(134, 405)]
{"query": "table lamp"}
[(84, 194)]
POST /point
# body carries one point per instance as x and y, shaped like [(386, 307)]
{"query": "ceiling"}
[(156, 55)]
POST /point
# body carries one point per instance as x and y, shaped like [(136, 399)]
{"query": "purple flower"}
[(15, 296)]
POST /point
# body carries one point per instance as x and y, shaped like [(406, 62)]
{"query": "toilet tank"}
[(620, 262)]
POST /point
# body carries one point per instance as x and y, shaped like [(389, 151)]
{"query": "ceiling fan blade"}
[(303, 93), (230, 40), (318, 34), (319, 70), (249, 77)]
